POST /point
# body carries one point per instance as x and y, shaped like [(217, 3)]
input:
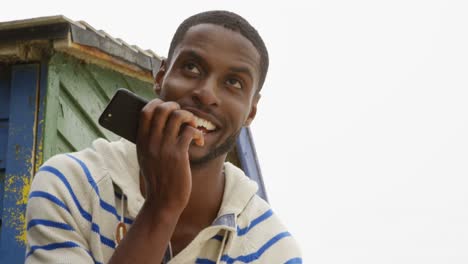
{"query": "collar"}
[(122, 164), (238, 191)]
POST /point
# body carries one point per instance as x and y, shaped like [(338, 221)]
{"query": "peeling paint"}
[(19, 186), (21, 157), (39, 156)]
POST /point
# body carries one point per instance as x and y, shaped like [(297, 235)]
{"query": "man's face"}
[(213, 73)]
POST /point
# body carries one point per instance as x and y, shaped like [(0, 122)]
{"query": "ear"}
[(253, 110), (158, 79)]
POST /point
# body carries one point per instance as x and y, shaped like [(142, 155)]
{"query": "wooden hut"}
[(56, 76)]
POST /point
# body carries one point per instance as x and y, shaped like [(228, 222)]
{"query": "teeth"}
[(204, 123)]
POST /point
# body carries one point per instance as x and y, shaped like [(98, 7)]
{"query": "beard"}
[(222, 149)]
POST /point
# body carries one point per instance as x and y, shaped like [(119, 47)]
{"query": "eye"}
[(234, 83), (192, 68)]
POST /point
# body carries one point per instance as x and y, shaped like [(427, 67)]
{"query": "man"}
[(179, 200)]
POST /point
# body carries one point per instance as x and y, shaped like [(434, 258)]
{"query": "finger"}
[(190, 133), (145, 118), (178, 120), (161, 116)]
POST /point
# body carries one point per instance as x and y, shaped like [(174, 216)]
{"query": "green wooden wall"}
[(77, 92)]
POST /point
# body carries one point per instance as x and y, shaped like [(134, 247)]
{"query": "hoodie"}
[(78, 199)]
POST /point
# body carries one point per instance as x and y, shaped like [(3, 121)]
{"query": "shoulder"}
[(62, 206), (77, 179), (266, 233), (83, 169)]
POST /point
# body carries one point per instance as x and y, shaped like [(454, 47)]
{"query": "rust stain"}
[(94, 55)]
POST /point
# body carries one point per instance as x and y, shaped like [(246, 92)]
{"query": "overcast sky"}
[(362, 129)]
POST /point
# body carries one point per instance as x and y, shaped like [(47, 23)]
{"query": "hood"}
[(122, 164), (238, 191)]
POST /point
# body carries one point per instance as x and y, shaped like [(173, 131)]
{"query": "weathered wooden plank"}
[(4, 92), (89, 88), (141, 88), (85, 91), (20, 160), (72, 119), (62, 145), (107, 80), (3, 144), (3, 148), (4, 117), (2, 181), (40, 123), (51, 110)]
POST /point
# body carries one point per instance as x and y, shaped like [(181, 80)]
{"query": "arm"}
[(164, 136)]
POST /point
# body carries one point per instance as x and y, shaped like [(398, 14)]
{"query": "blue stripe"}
[(256, 255), (250, 257), (106, 241), (294, 261), (35, 222), (87, 172), (53, 246), (49, 197), (256, 221), (86, 215), (57, 173), (104, 205), (204, 261)]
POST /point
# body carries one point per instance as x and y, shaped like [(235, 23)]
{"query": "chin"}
[(201, 155)]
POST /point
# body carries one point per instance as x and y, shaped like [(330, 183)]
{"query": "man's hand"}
[(164, 136), (165, 133)]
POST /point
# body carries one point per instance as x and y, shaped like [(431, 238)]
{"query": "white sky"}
[(362, 130)]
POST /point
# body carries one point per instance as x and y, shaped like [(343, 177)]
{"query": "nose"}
[(206, 93)]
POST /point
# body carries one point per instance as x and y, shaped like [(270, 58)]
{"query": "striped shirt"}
[(78, 199)]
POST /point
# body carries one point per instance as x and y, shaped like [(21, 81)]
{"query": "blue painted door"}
[(19, 108), (4, 118)]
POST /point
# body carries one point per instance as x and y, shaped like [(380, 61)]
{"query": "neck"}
[(206, 195)]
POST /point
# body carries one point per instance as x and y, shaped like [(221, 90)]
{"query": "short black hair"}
[(228, 20)]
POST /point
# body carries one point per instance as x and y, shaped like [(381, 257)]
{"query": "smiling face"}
[(213, 73)]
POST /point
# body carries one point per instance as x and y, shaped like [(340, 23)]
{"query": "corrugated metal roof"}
[(77, 32)]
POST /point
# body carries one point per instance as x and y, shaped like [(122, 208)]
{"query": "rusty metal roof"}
[(78, 37)]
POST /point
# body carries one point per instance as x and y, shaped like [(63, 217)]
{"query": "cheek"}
[(239, 112), (174, 88)]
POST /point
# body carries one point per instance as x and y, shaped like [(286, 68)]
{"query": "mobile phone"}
[(122, 114)]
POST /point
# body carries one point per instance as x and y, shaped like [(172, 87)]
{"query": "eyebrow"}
[(244, 70), (193, 54)]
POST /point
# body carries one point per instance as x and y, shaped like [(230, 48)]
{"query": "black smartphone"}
[(122, 113)]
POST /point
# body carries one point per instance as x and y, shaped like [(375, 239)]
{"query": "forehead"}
[(229, 46)]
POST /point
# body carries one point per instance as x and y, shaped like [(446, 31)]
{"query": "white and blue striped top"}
[(77, 200)]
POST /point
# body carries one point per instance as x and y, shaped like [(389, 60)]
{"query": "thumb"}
[(190, 133)]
